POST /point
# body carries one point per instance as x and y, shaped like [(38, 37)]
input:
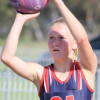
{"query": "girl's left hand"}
[(26, 17)]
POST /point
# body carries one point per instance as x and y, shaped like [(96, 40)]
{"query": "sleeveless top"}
[(75, 87)]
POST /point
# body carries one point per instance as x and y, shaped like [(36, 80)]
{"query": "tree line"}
[(87, 11)]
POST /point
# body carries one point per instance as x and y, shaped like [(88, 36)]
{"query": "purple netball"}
[(28, 6)]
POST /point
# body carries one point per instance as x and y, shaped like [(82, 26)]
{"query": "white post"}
[(98, 85)]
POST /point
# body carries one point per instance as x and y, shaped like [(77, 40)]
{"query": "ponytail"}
[(75, 55)]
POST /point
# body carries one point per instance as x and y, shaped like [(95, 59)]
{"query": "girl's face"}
[(60, 42)]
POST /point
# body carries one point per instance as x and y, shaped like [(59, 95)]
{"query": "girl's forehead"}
[(59, 29)]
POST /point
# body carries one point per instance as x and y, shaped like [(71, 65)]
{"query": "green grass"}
[(26, 41), (33, 44)]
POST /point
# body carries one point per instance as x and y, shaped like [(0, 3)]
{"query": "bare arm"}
[(87, 56), (27, 70)]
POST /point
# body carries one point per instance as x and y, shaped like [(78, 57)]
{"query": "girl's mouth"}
[(56, 50)]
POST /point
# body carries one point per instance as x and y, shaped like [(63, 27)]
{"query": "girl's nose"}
[(56, 43)]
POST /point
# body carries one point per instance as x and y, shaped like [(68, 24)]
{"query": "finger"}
[(34, 15), (37, 14)]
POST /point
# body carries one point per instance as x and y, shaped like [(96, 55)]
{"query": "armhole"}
[(85, 79), (42, 79)]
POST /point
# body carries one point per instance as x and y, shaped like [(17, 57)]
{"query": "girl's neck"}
[(63, 66)]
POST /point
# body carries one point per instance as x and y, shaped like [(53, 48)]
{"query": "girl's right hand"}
[(25, 17)]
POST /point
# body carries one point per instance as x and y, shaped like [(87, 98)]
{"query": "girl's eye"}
[(61, 38), (51, 38)]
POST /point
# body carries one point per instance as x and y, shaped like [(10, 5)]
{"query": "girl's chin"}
[(57, 58)]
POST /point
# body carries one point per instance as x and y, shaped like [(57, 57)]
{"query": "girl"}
[(66, 79)]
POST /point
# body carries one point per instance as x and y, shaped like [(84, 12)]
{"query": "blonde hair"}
[(75, 55), (62, 21), (59, 20)]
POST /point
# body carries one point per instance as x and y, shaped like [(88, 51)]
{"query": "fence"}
[(97, 85), (13, 87)]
